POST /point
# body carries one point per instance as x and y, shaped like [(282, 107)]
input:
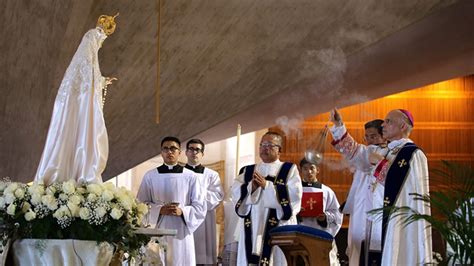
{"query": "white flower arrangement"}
[(63, 210)]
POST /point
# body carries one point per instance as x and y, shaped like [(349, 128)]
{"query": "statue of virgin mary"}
[(77, 143)]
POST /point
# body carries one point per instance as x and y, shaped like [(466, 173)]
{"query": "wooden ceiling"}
[(222, 63)]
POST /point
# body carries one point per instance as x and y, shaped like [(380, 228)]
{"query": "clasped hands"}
[(171, 209), (258, 181), (321, 217)]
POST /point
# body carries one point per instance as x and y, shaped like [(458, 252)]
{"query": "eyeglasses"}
[(170, 149), (267, 145), (196, 150)]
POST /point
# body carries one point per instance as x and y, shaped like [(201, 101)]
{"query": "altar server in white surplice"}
[(177, 202), (358, 202), (266, 195), (77, 145), (396, 172), (331, 219), (205, 236)]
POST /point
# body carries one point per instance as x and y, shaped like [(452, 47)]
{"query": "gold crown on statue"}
[(107, 23)]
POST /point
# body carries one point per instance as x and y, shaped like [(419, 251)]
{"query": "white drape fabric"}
[(77, 143), (55, 252)]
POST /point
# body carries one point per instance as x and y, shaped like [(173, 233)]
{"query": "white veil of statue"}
[(77, 143)]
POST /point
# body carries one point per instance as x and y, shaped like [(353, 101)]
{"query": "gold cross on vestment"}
[(247, 222), (402, 163), (386, 201), (279, 182), (284, 202), (264, 261), (238, 204), (272, 221), (311, 202)]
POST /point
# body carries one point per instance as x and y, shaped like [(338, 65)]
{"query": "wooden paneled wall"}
[(444, 126)]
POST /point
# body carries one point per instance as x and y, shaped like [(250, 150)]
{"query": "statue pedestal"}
[(309, 244), (61, 252)]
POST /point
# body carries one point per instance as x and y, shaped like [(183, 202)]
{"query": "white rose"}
[(69, 187), (11, 209), (36, 189), (36, 198), (73, 208), (107, 195), (63, 197), (142, 208), (2, 202), (50, 202), (57, 214), (75, 199), (130, 193), (20, 193), (126, 203), (92, 197), (84, 213), (50, 190), (81, 190), (26, 206), (119, 195), (53, 205), (3, 185), (108, 186), (30, 215), (61, 212), (11, 188), (47, 199), (100, 211), (94, 188), (116, 213), (9, 197)]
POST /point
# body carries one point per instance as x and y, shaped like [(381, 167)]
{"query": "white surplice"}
[(333, 217), (77, 144), (259, 204), (158, 189), (357, 205), (408, 245), (364, 192), (205, 236)]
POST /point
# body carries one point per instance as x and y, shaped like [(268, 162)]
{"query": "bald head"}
[(396, 125)]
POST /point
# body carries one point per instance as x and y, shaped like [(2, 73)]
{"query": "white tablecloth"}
[(61, 252)]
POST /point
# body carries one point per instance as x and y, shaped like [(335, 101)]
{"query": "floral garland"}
[(66, 210)]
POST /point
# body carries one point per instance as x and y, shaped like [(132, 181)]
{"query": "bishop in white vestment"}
[(266, 195), (396, 171)]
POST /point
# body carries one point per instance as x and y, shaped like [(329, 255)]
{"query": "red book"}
[(311, 204)]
